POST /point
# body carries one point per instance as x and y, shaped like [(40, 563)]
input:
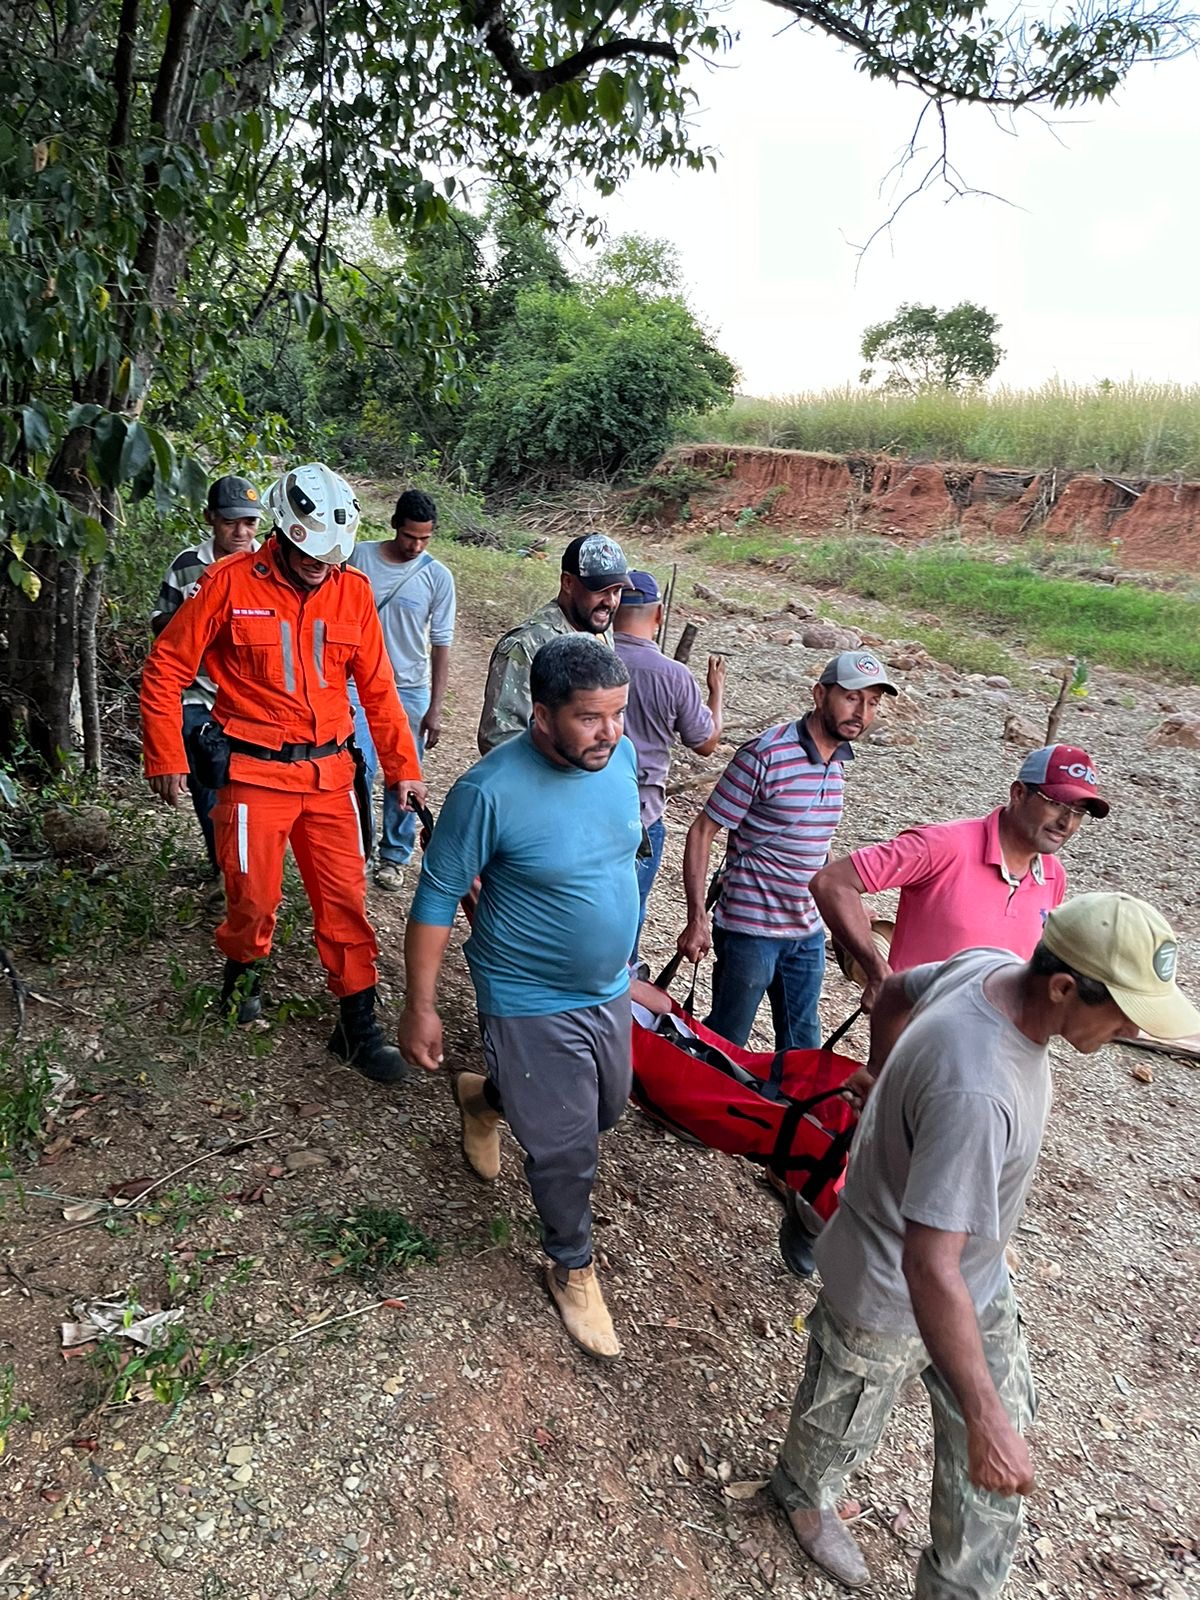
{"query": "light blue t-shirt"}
[(554, 847), (420, 614)]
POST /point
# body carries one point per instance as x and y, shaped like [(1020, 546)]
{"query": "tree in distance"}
[(925, 348)]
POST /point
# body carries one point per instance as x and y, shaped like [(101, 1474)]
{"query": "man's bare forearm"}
[(945, 1316), (998, 1458), (424, 951), (439, 675), (696, 853), (838, 891), (889, 1017)]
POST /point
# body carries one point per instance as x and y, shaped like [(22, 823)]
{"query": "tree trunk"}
[(41, 656), (42, 633), (89, 676)]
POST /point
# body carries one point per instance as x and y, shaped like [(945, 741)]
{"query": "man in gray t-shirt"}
[(415, 598), (915, 1282)]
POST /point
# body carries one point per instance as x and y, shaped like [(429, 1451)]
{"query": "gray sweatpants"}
[(561, 1080)]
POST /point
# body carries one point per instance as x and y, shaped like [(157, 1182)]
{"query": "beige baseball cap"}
[(1129, 947)]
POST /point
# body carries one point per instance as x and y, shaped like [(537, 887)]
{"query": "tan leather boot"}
[(824, 1538), (581, 1306), (480, 1126)]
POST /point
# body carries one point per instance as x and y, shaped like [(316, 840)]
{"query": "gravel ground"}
[(443, 1438)]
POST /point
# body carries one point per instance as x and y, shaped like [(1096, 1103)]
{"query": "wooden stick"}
[(1056, 710), (666, 616), (683, 650), (315, 1327), (233, 1146)]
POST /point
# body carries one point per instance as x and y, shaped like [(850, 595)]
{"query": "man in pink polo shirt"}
[(985, 881)]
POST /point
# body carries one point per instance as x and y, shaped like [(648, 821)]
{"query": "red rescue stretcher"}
[(783, 1110)]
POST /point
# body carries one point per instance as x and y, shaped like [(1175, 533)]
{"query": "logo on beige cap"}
[(1164, 960)]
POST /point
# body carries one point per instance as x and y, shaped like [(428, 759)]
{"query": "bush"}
[(590, 381)]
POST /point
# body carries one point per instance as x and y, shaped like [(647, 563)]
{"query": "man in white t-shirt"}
[(415, 599), (914, 1278)]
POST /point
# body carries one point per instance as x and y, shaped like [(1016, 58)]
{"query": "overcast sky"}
[(1093, 270)]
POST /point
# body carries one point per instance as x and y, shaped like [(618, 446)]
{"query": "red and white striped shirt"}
[(782, 804)]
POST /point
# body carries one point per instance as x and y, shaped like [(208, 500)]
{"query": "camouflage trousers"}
[(851, 1381)]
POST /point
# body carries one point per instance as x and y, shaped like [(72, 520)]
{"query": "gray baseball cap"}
[(857, 669), (597, 561), (234, 498)]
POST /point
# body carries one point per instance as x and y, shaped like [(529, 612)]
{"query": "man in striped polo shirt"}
[(232, 513), (781, 799)]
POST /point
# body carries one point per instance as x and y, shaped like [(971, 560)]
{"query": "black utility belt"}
[(290, 752)]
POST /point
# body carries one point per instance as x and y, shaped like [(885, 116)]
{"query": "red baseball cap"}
[(1067, 773)]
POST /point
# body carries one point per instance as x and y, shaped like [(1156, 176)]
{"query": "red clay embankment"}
[(1152, 523)]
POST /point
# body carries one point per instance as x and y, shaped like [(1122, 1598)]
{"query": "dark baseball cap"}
[(234, 498), (857, 669), (597, 561), (644, 590)]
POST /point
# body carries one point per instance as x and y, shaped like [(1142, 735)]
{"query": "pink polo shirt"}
[(956, 892)]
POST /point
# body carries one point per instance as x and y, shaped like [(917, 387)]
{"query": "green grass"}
[(1141, 429), (1119, 626), (368, 1241), (518, 583), (26, 1084), (11, 1410)]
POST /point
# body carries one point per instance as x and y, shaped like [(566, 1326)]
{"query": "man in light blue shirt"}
[(549, 823), (414, 595)]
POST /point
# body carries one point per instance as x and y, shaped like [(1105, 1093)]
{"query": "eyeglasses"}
[(1076, 813)]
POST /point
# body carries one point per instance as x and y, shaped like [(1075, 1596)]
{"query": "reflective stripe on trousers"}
[(253, 829)]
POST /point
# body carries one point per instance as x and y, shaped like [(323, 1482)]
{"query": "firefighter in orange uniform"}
[(280, 630)]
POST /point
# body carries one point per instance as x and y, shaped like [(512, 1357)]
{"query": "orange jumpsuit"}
[(280, 657)]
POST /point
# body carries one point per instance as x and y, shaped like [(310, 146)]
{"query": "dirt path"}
[(451, 1441)]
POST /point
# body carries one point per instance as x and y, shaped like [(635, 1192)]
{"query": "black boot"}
[(358, 1040), (242, 987), (796, 1247)]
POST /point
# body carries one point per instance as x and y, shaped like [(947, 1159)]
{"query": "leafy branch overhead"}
[(961, 51), (176, 173)]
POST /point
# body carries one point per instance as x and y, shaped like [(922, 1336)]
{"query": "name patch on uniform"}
[(251, 611)]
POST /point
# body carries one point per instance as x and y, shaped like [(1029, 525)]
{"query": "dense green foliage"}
[(1139, 428), (560, 375), (174, 175), (924, 348), (590, 382), (179, 176)]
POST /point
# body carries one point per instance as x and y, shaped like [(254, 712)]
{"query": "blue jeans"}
[(399, 835), (203, 800), (647, 870), (787, 971)]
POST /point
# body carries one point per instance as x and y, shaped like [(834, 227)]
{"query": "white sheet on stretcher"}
[(652, 1019)]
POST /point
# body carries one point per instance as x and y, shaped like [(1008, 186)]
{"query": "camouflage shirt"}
[(507, 707), (180, 583)]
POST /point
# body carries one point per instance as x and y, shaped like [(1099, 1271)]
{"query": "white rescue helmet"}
[(315, 509)]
